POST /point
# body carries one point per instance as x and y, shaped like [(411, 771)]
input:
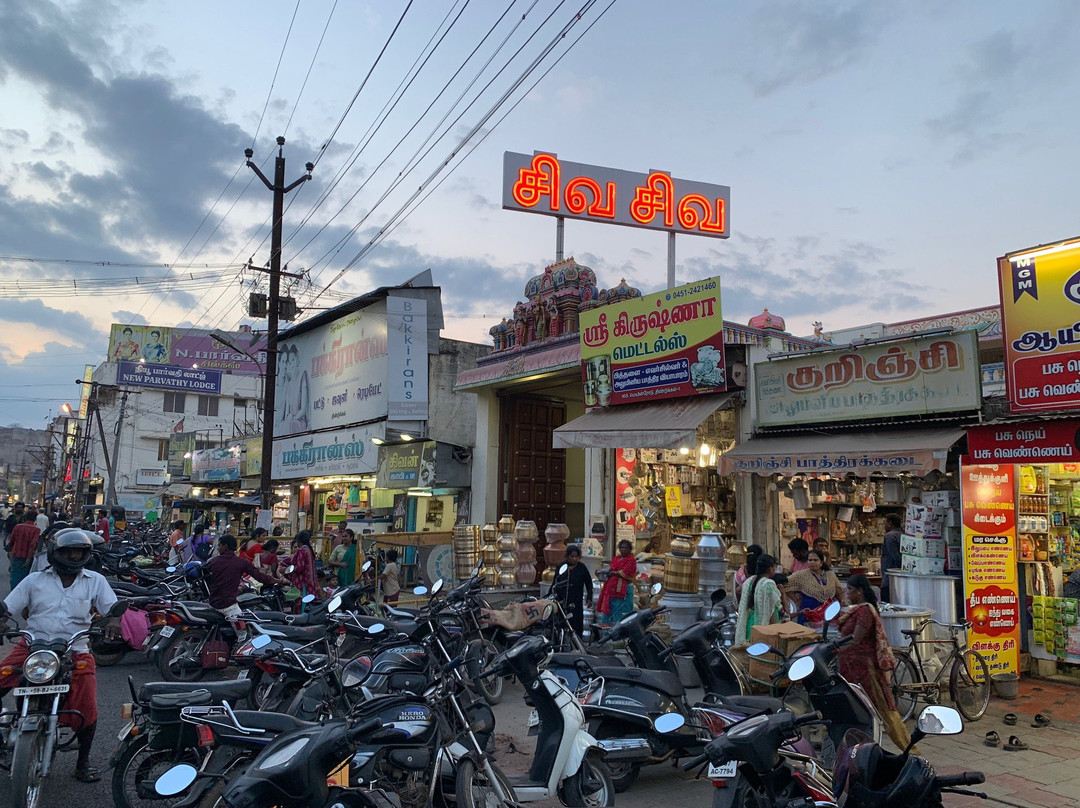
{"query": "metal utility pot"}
[(900, 618)]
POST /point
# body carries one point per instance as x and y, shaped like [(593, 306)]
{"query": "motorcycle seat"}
[(567, 659), (294, 632), (402, 626), (404, 614), (121, 588), (275, 722), (231, 691), (664, 681)]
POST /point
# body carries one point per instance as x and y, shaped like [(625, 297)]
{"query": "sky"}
[(880, 156)]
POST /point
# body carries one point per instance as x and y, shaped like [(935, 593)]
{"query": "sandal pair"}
[(992, 739), (87, 774), (1041, 721), (1016, 745)]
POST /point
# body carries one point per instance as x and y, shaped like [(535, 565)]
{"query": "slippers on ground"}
[(1041, 721), (1016, 745), (87, 774), (1010, 719), (992, 739)]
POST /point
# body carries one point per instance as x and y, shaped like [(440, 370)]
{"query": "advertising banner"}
[(626, 504), (407, 368), (342, 451), (216, 465), (158, 345), (923, 376), (333, 375), (84, 397), (542, 183), (170, 377), (665, 345), (252, 462), (407, 465), (1036, 442), (991, 596), (151, 476), (181, 449), (1040, 312)]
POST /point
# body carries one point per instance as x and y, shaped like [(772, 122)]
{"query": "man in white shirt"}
[(41, 521), (60, 602)]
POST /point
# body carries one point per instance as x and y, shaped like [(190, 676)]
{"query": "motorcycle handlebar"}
[(809, 718), (962, 779), (695, 762), (358, 731), (666, 653)]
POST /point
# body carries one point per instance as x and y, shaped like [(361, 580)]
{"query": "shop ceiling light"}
[(378, 441), (407, 437), (684, 450), (419, 493), (1069, 245)]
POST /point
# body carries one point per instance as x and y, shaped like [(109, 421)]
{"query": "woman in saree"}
[(813, 587), (761, 602), (617, 595)]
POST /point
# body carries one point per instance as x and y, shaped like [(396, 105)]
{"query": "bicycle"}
[(969, 676)]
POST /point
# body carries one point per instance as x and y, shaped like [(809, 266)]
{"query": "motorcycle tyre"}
[(237, 766), (742, 795), (481, 653), (623, 773), (26, 762), (105, 659), (165, 656), (573, 787), (467, 774), (123, 766)]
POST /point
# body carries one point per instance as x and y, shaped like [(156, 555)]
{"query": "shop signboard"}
[(137, 506), (181, 449), (626, 504), (187, 348), (1040, 312), (340, 373), (217, 465), (252, 462), (1033, 442), (84, 396), (991, 592), (407, 465), (158, 475), (407, 371), (341, 451), (169, 377), (665, 345), (542, 183), (916, 377)]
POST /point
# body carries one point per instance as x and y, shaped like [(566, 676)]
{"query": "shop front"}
[(846, 436)]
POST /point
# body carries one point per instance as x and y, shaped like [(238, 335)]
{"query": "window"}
[(240, 403), (162, 450), (208, 405), (174, 402)]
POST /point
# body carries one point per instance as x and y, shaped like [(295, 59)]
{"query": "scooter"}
[(567, 763)]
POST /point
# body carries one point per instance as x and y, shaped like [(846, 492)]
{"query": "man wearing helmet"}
[(57, 603)]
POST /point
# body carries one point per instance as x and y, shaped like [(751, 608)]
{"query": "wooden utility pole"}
[(279, 189)]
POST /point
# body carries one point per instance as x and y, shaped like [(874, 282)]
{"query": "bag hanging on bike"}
[(215, 652)]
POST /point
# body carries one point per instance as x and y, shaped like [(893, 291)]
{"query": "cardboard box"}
[(924, 513), (923, 529), (918, 546), (785, 637), (953, 536), (922, 566), (954, 559), (941, 499)]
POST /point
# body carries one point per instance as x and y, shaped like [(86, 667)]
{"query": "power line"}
[(273, 81), (314, 56)]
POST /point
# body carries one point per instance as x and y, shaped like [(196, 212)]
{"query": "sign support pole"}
[(671, 259), (560, 236)]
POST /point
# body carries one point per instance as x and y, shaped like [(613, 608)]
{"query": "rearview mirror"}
[(307, 599), (170, 570), (657, 588), (668, 722), (175, 780), (260, 641), (376, 628), (420, 590), (366, 567), (334, 604), (801, 668), (436, 587), (289, 570), (180, 543), (832, 610), (563, 568), (939, 720), (758, 649)]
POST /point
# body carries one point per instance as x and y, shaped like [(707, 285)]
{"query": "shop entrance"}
[(531, 472)]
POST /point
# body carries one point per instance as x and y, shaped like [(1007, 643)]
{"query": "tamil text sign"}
[(1040, 309), (927, 375), (542, 183), (1039, 442), (408, 465), (991, 597), (342, 451), (665, 345), (158, 345), (170, 377)]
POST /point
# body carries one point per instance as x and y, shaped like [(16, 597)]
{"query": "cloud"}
[(129, 317), (803, 42)]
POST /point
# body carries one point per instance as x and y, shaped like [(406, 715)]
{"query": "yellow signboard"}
[(1040, 306), (664, 345)]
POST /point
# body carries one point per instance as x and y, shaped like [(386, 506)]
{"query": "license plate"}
[(243, 674), (167, 631), (125, 731), (41, 690), (725, 772)]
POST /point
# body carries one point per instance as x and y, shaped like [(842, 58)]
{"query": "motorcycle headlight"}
[(283, 755), (41, 666)]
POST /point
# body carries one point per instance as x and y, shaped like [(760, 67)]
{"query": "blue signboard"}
[(169, 377)]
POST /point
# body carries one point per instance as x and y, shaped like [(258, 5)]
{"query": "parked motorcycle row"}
[(342, 705)]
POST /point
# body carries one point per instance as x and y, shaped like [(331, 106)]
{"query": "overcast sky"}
[(880, 155)]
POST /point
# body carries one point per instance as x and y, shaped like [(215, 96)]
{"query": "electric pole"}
[(279, 190), (112, 467)]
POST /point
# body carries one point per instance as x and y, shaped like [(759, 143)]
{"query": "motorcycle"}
[(567, 763), (33, 731)]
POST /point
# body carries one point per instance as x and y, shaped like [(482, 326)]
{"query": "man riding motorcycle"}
[(58, 603)]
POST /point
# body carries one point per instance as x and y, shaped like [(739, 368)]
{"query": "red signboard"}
[(1031, 442)]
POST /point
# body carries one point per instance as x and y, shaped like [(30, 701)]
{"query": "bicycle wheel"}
[(969, 684), (905, 684)]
